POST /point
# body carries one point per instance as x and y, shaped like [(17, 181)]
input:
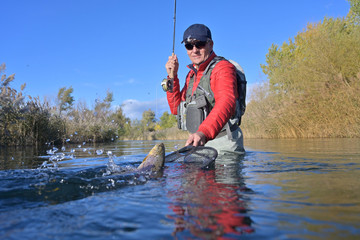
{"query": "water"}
[(280, 189)]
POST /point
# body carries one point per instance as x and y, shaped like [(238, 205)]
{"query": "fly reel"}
[(167, 84)]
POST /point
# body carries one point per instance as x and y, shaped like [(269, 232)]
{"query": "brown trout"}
[(154, 161)]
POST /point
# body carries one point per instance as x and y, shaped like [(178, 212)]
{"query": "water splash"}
[(52, 151), (52, 163), (111, 166), (99, 151), (54, 158)]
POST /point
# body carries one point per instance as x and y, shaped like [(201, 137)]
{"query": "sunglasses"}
[(198, 45)]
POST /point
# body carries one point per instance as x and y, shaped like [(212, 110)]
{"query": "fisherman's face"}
[(200, 51)]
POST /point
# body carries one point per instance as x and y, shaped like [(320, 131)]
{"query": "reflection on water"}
[(280, 189), (208, 204)]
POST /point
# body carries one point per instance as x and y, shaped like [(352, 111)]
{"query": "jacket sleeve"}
[(176, 96), (223, 84)]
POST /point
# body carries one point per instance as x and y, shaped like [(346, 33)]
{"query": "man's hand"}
[(196, 139), (172, 66)]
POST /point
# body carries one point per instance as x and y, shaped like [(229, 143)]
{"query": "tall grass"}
[(333, 113), (313, 88)]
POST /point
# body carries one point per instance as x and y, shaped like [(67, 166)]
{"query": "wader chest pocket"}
[(181, 116), (196, 112)]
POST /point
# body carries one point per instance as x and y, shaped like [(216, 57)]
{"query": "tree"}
[(148, 120), (314, 80), (24, 122), (355, 7), (123, 123), (11, 106), (310, 61), (167, 120), (102, 107), (65, 100)]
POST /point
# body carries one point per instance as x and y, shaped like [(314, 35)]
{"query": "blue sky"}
[(123, 45)]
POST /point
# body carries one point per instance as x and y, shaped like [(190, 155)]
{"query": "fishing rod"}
[(173, 50), (167, 84)]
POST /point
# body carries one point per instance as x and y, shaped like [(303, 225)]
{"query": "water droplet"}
[(142, 179), (50, 152), (112, 182), (43, 165)]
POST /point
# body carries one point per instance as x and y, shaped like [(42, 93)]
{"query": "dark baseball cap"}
[(197, 31)]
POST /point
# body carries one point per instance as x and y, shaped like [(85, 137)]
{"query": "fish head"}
[(155, 160)]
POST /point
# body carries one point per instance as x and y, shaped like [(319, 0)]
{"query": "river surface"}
[(280, 189)]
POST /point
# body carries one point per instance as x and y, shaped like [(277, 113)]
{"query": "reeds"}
[(314, 85)]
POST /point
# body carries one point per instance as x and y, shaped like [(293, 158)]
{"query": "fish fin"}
[(145, 159)]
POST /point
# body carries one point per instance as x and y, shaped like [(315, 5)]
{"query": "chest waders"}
[(193, 111)]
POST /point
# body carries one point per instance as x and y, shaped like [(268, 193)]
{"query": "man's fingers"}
[(196, 139), (189, 141), (173, 58)]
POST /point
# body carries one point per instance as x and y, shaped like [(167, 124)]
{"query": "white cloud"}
[(134, 109)]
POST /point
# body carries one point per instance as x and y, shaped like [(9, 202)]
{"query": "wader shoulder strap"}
[(188, 97)]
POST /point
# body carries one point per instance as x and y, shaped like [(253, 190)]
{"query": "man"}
[(217, 128)]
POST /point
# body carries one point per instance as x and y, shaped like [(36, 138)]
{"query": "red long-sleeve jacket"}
[(223, 84)]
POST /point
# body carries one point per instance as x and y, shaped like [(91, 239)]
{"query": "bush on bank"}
[(314, 84)]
